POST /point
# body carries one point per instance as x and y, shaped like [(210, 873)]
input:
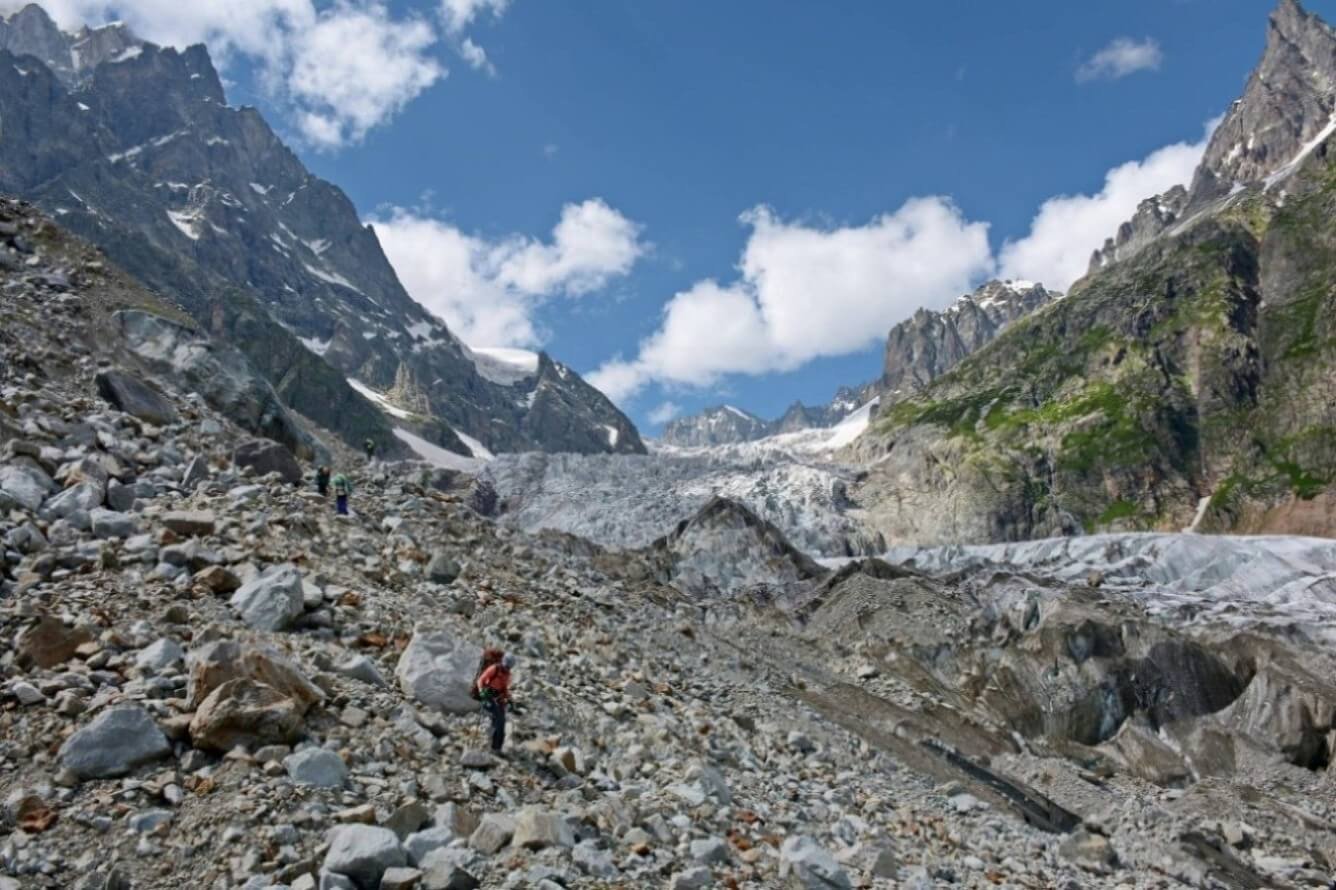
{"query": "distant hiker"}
[(370, 448), (342, 488), (494, 691), (322, 481)]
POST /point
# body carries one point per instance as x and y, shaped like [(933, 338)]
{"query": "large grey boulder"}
[(262, 456), (135, 397), (273, 600), (811, 865), (493, 832), (109, 524), (363, 853), (447, 869), (437, 669), (117, 741), (26, 484)]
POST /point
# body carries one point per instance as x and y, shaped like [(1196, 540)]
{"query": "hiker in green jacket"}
[(342, 489)]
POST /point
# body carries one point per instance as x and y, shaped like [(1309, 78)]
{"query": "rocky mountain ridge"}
[(1188, 383), (204, 203)]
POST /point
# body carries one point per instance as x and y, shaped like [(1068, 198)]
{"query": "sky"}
[(695, 202)]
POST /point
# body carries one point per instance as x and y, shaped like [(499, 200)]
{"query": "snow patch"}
[(132, 52), (260, 189), (332, 277), (614, 435), (185, 221), (385, 404), (435, 454), (479, 450), (319, 347)]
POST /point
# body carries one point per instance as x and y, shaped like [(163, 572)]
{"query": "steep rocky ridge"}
[(203, 202), (1189, 384)]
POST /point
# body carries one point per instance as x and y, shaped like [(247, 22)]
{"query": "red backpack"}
[(489, 658)]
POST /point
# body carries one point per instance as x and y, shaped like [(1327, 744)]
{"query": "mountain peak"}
[(1285, 109)]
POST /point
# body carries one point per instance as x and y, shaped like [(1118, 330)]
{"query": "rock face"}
[(926, 346), (258, 251), (224, 376)]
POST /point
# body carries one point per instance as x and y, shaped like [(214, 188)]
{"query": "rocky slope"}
[(723, 425), (1189, 383), (208, 679), (138, 151)]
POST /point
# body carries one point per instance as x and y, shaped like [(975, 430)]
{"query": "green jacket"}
[(342, 485)]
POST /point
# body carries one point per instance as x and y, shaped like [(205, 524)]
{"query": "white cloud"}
[(807, 292), (459, 14), (357, 67), (665, 412), (1068, 228), (1121, 57), (487, 290), (343, 67)]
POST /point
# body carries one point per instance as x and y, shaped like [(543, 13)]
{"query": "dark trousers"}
[(497, 711), (322, 487), (341, 504)]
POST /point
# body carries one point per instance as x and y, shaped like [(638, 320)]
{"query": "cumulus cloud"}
[(1068, 228), (1121, 57), (805, 292), (487, 290), (342, 68)]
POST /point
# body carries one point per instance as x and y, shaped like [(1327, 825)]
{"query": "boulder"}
[(317, 768), (442, 569), (217, 580), (25, 484), (273, 600), (196, 472), (437, 669), (49, 643), (447, 869), (363, 853), (135, 397), (115, 742), (810, 865), (536, 829), (246, 712), (78, 498), (217, 663), (162, 654), (108, 524), (492, 833), (263, 456), (191, 523)]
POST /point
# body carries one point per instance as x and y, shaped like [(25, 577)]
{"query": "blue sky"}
[(677, 117)]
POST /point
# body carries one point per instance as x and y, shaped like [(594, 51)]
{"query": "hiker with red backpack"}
[(492, 688)]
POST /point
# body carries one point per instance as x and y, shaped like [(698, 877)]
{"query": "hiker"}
[(322, 481), (342, 488), (370, 448), (494, 691)]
